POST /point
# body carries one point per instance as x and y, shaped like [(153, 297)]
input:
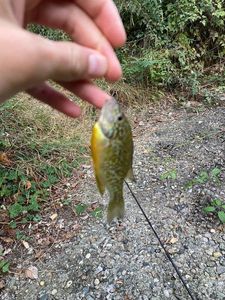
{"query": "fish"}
[(112, 154)]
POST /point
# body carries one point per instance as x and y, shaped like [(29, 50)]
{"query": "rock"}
[(217, 254), (220, 270), (111, 288), (54, 292), (69, 283), (166, 293), (43, 295)]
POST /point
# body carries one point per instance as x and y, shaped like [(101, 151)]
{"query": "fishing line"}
[(161, 244)]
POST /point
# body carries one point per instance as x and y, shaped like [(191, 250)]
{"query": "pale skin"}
[(27, 60)]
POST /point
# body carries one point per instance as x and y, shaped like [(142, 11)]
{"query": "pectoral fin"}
[(130, 175)]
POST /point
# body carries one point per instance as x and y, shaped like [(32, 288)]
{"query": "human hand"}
[(28, 60)]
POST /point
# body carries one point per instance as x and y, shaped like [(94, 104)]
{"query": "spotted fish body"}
[(112, 153)]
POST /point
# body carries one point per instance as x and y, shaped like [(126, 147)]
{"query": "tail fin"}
[(115, 209)]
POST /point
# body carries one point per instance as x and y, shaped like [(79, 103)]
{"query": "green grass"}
[(39, 147)]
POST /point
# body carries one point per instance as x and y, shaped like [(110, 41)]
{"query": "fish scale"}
[(112, 153)]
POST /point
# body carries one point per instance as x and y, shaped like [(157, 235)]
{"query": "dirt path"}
[(180, 168)]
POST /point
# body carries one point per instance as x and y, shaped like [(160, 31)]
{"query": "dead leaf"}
[(2, 284), (6, 251), (54, 216), (31, 272), (28, 185), (25, 244), (4, 159), (39, 254), (6, 239), (173, 240)]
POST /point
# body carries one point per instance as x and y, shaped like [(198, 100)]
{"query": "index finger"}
[(106, 16)]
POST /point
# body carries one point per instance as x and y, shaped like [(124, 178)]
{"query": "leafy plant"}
[(80, 208), (171, 43), (216, 207), (171, 174), (21, 236), (4, 265), (204, 176), (97, 213)]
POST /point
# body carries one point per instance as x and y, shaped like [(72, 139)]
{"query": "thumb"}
[(68, 61), (27, 59)]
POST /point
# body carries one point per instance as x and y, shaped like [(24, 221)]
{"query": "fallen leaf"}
[(39, 254), (31, 272), (25, 244), (2, 284), (54, 216), (6, 239), (28, 185), (4, 159), (173, 240), (6, 251)]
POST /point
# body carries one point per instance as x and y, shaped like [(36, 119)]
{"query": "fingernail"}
[(97, 65)]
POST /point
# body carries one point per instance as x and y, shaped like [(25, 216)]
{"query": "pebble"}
[(88, 255), (111, 288), (99, 270), (54, 292), (85, 290), (43, 295), (209, 251), (217, 254), (166, 293), (220, 270), (69, 283), (97, 281), (210, 263)]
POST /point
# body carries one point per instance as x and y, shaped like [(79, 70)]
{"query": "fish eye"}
[(120, 118)]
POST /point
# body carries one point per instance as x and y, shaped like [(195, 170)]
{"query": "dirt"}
[(180, 168)]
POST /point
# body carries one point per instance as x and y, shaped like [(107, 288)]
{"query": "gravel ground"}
[(124, 261)]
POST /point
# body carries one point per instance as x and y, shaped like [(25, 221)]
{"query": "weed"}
[(171, 174), (21, 236), (216, 207), (97, 213), (80, 208), (38, 149), (4, 265), (204, 176)]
